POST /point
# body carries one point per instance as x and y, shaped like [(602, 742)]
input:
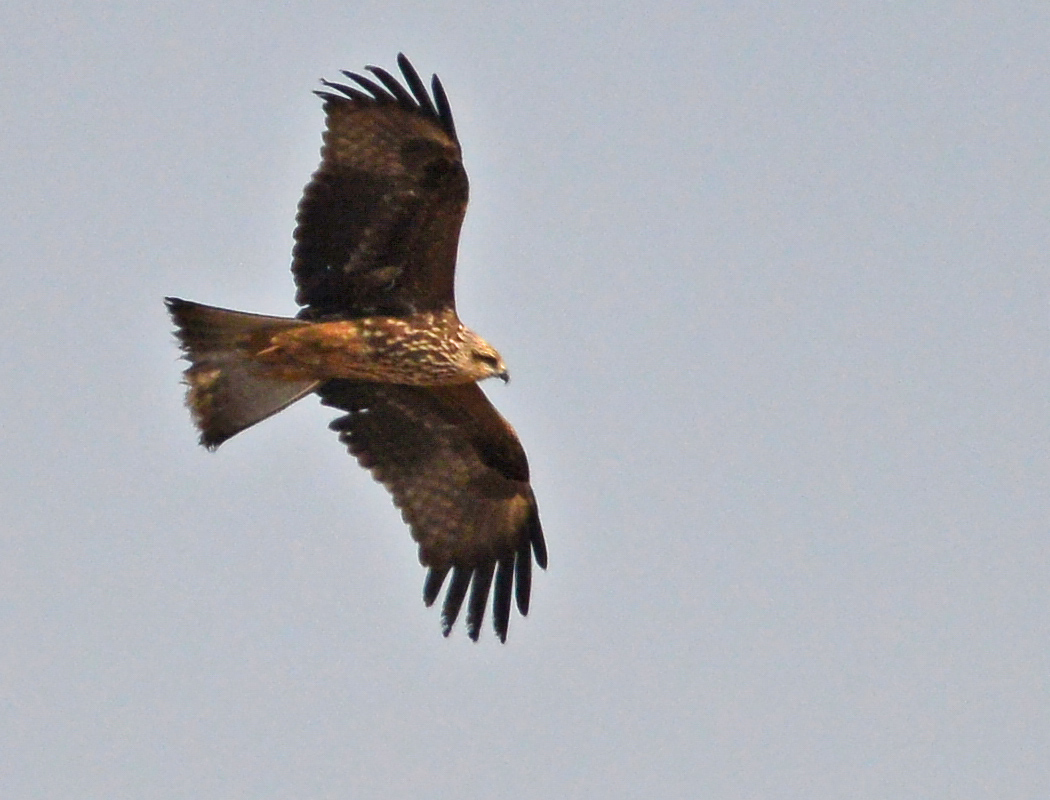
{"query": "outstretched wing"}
[(378, 224), (459, 475)]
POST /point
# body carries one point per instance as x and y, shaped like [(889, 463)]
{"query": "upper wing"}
[(459, 475), (378, 224)]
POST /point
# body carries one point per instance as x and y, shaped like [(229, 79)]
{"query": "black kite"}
[(378, 337)]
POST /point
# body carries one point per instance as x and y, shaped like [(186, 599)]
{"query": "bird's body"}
[(427, 349), (379, 338)]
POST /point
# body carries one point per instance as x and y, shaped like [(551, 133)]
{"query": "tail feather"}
[(228, 390)]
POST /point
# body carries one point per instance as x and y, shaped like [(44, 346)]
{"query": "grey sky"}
[(772, 283)]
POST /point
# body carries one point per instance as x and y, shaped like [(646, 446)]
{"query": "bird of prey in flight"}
[(378, 338)]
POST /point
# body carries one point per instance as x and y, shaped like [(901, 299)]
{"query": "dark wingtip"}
[(539, 546), (433, 104), (344, 92), (523, 578), (502, 596), (417, 87), (177, 307), (497, 579), (457, 590), (177, 310), (479, 597), (432, 586), (377, 92), (508, 580), (210, 442), (397, 91), (443, 108)]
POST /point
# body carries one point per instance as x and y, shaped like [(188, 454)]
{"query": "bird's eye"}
[(485, 358)]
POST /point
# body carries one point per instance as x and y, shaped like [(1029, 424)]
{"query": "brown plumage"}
[(378, 338)]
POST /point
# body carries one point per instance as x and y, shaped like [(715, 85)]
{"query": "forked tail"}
[(228, 390)]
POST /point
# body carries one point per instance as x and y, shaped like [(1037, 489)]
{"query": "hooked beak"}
[(504, 376)]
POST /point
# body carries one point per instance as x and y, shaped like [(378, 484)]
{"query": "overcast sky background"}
[(772, 281)]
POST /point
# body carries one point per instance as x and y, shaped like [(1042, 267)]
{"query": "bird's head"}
[(484, 360)]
